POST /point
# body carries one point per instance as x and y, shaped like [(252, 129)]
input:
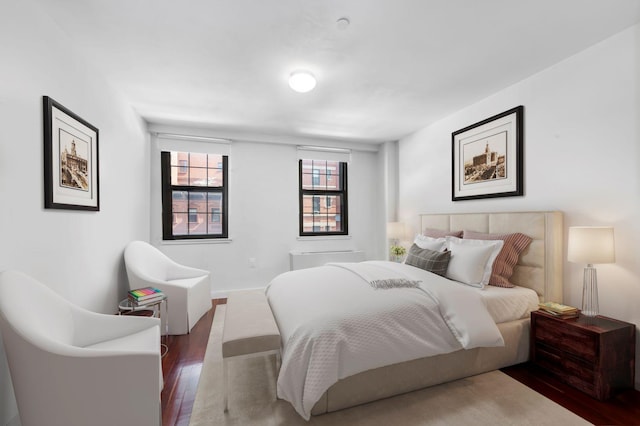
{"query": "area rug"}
[(488, 399)]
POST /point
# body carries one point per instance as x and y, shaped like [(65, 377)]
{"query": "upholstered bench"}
[(249, 330)]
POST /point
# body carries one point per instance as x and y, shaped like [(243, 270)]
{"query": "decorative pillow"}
[(514, 245), (439, 233), (436, 244), (472, 260), (429, 260)]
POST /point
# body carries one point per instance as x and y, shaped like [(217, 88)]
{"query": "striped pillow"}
[(439, 233), (429, 260), (514, 245)]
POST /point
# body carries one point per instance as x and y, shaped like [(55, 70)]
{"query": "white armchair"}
[(70, 366), (187, 289)]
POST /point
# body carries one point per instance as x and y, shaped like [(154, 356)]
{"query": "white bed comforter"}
[(334, 324)]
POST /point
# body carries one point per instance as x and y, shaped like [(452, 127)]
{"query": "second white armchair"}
[(187, 289)]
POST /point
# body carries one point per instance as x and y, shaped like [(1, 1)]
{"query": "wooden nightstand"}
[(595, 355)]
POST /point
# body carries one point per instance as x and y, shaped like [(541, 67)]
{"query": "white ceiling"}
[(400, 65)]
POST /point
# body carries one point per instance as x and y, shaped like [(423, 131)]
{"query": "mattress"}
[(509, 304)]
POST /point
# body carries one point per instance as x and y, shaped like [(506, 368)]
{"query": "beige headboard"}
[(540, 265)]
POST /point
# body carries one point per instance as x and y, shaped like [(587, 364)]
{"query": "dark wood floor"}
[(622, 409), (183, 363), (181, 366)]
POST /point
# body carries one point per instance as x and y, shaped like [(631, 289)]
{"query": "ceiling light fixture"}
[(342, 23), (302, 81)]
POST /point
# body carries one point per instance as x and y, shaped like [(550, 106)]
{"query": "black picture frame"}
[(487, 158), (71, 160)]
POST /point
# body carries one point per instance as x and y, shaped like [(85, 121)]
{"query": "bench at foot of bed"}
[(249, 330)]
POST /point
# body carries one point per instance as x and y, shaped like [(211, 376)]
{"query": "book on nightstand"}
[(559, 310)]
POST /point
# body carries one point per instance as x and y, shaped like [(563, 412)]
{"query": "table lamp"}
[(395, 232), (590, 245)]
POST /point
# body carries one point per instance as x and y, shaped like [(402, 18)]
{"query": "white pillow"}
[(472, 260), (435, 244)]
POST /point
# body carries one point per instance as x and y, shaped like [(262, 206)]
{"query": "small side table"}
[(593, 354), (125, 306)]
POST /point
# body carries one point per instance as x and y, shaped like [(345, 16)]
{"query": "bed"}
[(539, 268)]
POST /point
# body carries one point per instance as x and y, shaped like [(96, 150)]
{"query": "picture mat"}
[(62, 122)]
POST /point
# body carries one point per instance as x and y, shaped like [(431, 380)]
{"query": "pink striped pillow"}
[(514, 244), (439, 233)]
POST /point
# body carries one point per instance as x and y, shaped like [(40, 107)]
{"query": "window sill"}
[(324, 237), (196, 241)]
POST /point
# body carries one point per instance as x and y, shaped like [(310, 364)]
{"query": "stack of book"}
[(559, 310), (144, 296)]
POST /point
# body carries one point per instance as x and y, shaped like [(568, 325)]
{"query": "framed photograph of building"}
[(71, 172), (487, 158)]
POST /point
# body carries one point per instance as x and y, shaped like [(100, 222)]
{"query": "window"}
[(323, 180), (193, 215), (215, 214), (194, 195)]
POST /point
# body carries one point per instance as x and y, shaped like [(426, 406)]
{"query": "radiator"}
[(302, 260)]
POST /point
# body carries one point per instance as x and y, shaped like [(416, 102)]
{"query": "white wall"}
[(263, 214), (78, 254), (582, 156)]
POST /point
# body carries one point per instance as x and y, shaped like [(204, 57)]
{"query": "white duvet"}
[(334, 324)]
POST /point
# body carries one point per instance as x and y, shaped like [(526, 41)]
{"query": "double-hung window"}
[(323, 197), (194, 195)]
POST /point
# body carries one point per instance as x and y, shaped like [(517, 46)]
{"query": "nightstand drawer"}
[(570, 339), (572, 370)]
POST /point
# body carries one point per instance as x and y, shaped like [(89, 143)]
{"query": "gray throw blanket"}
[(378, 277)]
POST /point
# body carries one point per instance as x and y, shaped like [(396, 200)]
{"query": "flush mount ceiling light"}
[(342, 23), (302, 81)]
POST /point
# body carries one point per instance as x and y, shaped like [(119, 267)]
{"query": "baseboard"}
[(225, 293)]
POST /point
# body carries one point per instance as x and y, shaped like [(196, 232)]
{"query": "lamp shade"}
[(395, 230), (591, 244)]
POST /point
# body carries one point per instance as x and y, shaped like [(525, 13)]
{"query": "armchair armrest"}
[(93, 328), (176, 271)]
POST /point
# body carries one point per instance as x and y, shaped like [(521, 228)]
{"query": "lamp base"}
[(590, 292)]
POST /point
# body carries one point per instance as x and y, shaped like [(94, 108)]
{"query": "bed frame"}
[(539, 268)]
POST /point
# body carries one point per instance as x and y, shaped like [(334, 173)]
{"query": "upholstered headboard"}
[(540, 265)]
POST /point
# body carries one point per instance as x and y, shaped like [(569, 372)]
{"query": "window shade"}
[(324, 153), (198, 144)]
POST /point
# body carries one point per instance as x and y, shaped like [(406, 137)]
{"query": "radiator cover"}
[(303, 260)]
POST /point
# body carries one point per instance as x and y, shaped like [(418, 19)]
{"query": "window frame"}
[(341, 193), (168, 216)]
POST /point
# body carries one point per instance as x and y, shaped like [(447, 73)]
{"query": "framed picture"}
[(487, 158), (71, 171)]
